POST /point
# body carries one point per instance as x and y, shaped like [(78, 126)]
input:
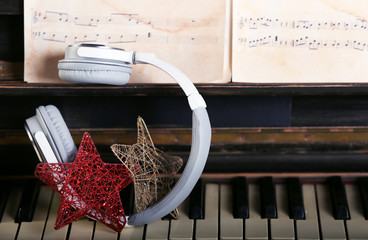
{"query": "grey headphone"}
[(98, 64)]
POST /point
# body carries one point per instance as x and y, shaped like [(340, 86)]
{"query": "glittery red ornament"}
[(88, 187)]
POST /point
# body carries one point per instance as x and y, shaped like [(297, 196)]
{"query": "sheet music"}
[(191, 35), (300, 41)]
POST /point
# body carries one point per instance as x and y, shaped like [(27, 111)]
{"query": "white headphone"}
[(98, 64)]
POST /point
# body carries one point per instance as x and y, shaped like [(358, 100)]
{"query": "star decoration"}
[(88, 187), (153, 171)]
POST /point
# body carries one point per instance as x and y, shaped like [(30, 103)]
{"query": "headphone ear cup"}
[(59, 132), (85, 72)]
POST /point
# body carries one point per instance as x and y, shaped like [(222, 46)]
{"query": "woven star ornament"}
[(88, 187), (152, 170)]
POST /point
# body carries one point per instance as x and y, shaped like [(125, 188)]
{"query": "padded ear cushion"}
[(59, 132), (86, 72)]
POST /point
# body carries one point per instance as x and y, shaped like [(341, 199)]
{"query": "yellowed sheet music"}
[(300, 41), (192, 35)]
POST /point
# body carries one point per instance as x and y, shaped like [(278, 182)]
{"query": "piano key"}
[(182, 228), (240, 198), (50, 232), (81, 229), (283, 226), (230, 227), (363, 189), (127, 199), (196, 201), (308, 229), (331, 229), (255, 226), (34, 229), (207, 228), (158, 230), (268, 198), (8, 228), (28, 201), (340, 206), (132, 233), (357, 227), (5, 189), (103, 232), (295, 199)]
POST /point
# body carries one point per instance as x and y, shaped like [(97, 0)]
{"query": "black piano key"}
[(196, 201), (240, 198), (268, 198), (363, 189), (295, 199), (28, 201), (4, 192), (340, 206), (127, 198)]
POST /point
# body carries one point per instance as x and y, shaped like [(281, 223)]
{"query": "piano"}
[(236, 208), (287, 161)]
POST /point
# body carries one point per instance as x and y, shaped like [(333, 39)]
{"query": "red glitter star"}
[(88, 187)]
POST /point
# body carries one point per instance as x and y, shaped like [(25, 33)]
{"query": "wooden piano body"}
[(308, 131)]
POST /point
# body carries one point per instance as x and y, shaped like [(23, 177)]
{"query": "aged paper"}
[(300, 41), (192, 35)]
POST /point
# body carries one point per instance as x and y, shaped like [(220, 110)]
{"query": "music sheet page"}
[(300, 41), (191, 35)]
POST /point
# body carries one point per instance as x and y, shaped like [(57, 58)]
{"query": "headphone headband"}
[(100, 54), (88, 63)]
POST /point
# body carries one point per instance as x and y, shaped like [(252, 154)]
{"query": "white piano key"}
[(130, 233), (208, 228), (50, 232), (230, 227), (158, 230), (103, 232), (34, 229), (182, 228), (331, 229), (256, 228), (308, 229), (357, 227), (283, 226), (8, 228), (82, 229)]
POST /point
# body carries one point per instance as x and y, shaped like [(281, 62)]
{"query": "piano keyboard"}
[(236, 210)]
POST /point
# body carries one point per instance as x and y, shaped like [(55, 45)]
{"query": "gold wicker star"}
[(151, 169)]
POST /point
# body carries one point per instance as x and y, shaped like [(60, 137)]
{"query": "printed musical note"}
[(300, 41), (122, 38), (86, 38), (55, 37), (91, 21), (124, 18), (305, 24), (305, 42), (357, 45), (55, 16)]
